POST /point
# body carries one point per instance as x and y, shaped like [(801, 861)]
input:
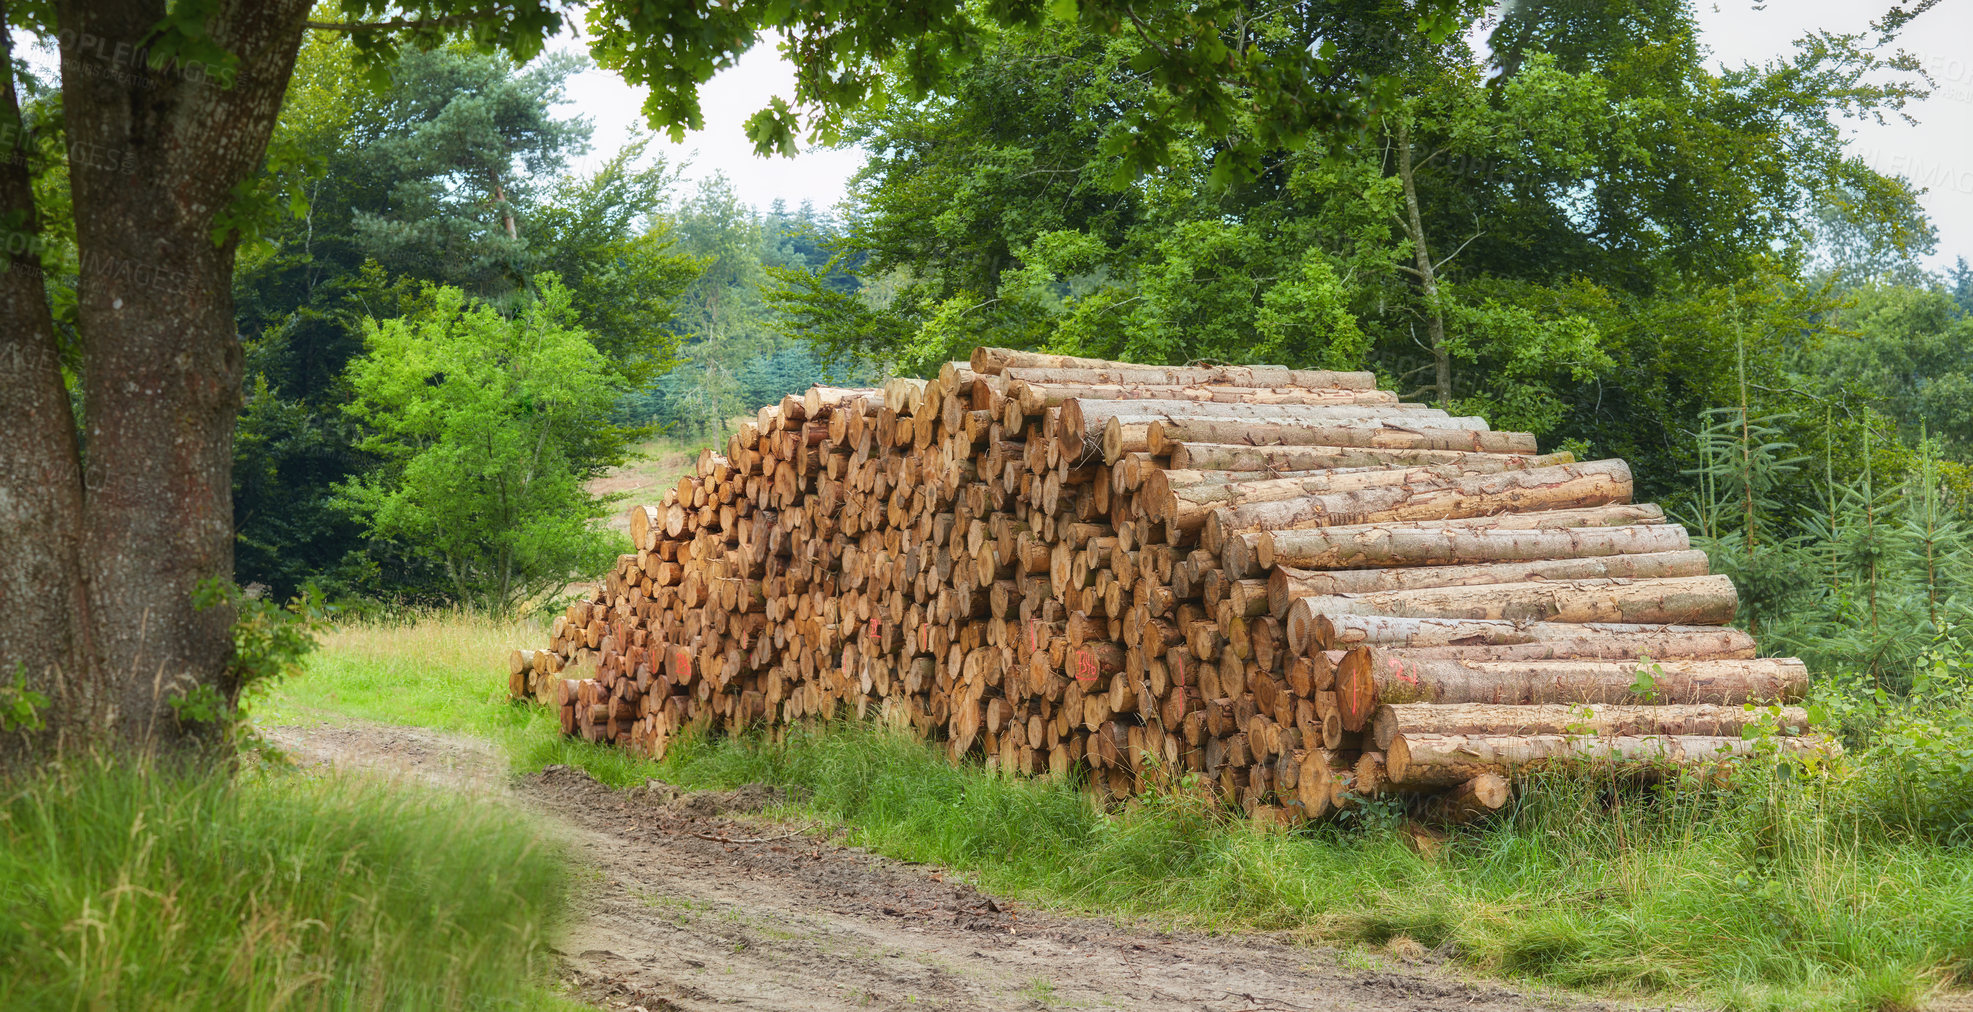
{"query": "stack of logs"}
[(1284, 581)]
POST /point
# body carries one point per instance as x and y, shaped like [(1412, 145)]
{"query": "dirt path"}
[(691, 903)]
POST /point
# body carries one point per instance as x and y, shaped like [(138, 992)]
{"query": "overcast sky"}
[(1937, 153)]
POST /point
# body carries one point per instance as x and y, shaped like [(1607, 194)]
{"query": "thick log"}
[(1163, 434), (1606, 720), (993, 361), (1255, 552), (1568, 486), (1183, 499), (1219, 376), (1445, 545), (1449, 760), (1080, 428), (1033, 398), (1686, 600), (1286, 584), (1244, 457), (1367, 680)]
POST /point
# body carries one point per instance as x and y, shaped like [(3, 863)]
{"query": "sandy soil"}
[(693, 901)]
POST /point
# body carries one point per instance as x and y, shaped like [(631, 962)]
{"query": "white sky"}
[(1937, 154)]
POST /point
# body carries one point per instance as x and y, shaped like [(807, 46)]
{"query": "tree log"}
[(1255, 552), (1366, 680), (1603, 720), (1079, 430), (1185, 498), (1243, 457), (1469, 802), (1377, 547), (1031, 398), (1219, 376), (1286, 584), (1568, 486), (1163, 434), (1449, 760), (1685, 600)]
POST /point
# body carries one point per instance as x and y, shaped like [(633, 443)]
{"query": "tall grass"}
[(151, 887), (1784, 892)]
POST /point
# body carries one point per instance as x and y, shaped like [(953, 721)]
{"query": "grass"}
[(1777, 894), (148, 887)]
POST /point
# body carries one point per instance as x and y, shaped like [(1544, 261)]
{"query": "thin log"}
[(1220, 376)]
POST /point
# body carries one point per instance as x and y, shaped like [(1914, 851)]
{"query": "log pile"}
[(1287, 582)]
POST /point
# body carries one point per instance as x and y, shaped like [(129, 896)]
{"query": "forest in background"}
[(1562, 217)]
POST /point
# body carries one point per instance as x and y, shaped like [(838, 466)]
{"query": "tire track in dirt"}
[(689, 902)]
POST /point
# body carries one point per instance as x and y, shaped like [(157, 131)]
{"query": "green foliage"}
[(146, 886), (20, 706), (489, 427), (451, 172)]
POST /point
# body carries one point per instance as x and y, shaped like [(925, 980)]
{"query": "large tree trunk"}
[(42, 599), (1255, 552), (148, 515), (1241, 457), (1424, 761)]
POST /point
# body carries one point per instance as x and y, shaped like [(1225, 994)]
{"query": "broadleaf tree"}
[(119, 514)]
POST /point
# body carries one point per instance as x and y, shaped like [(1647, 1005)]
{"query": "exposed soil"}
[(693, 900)]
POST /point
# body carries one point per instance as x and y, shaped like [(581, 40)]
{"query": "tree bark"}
[(1184, 499), (1425, 270), (1343, 632), (1379, 547), (1366, 679), (1602, 720), (44, 604), (145, 516), (1284, 585), (1471, 801), (1079, 430), (1688, 600), (1389, 435), (1220, 376), (1242, 457), (1034, 398), (1255, 552), (1569, 486), (1449, 760)]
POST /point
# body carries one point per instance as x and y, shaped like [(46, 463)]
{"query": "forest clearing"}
[(644, 504)]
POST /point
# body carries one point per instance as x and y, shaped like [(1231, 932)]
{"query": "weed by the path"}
[(127, 887)]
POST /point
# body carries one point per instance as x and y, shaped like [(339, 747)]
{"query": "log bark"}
[(1255, 552), (1392, 545), (1184, 499), (1219, 376), (1162, 435), (1450, 760), (1243, 457), (1602, 720), (1286, 584), (1031, 398), (1569, 486), (1686, 600), (1366, 680), (1080, 428), (1469, 802), (1343, 632)]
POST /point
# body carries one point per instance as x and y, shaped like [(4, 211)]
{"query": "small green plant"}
[(1645, 687), (20, 706), (270, 643)]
